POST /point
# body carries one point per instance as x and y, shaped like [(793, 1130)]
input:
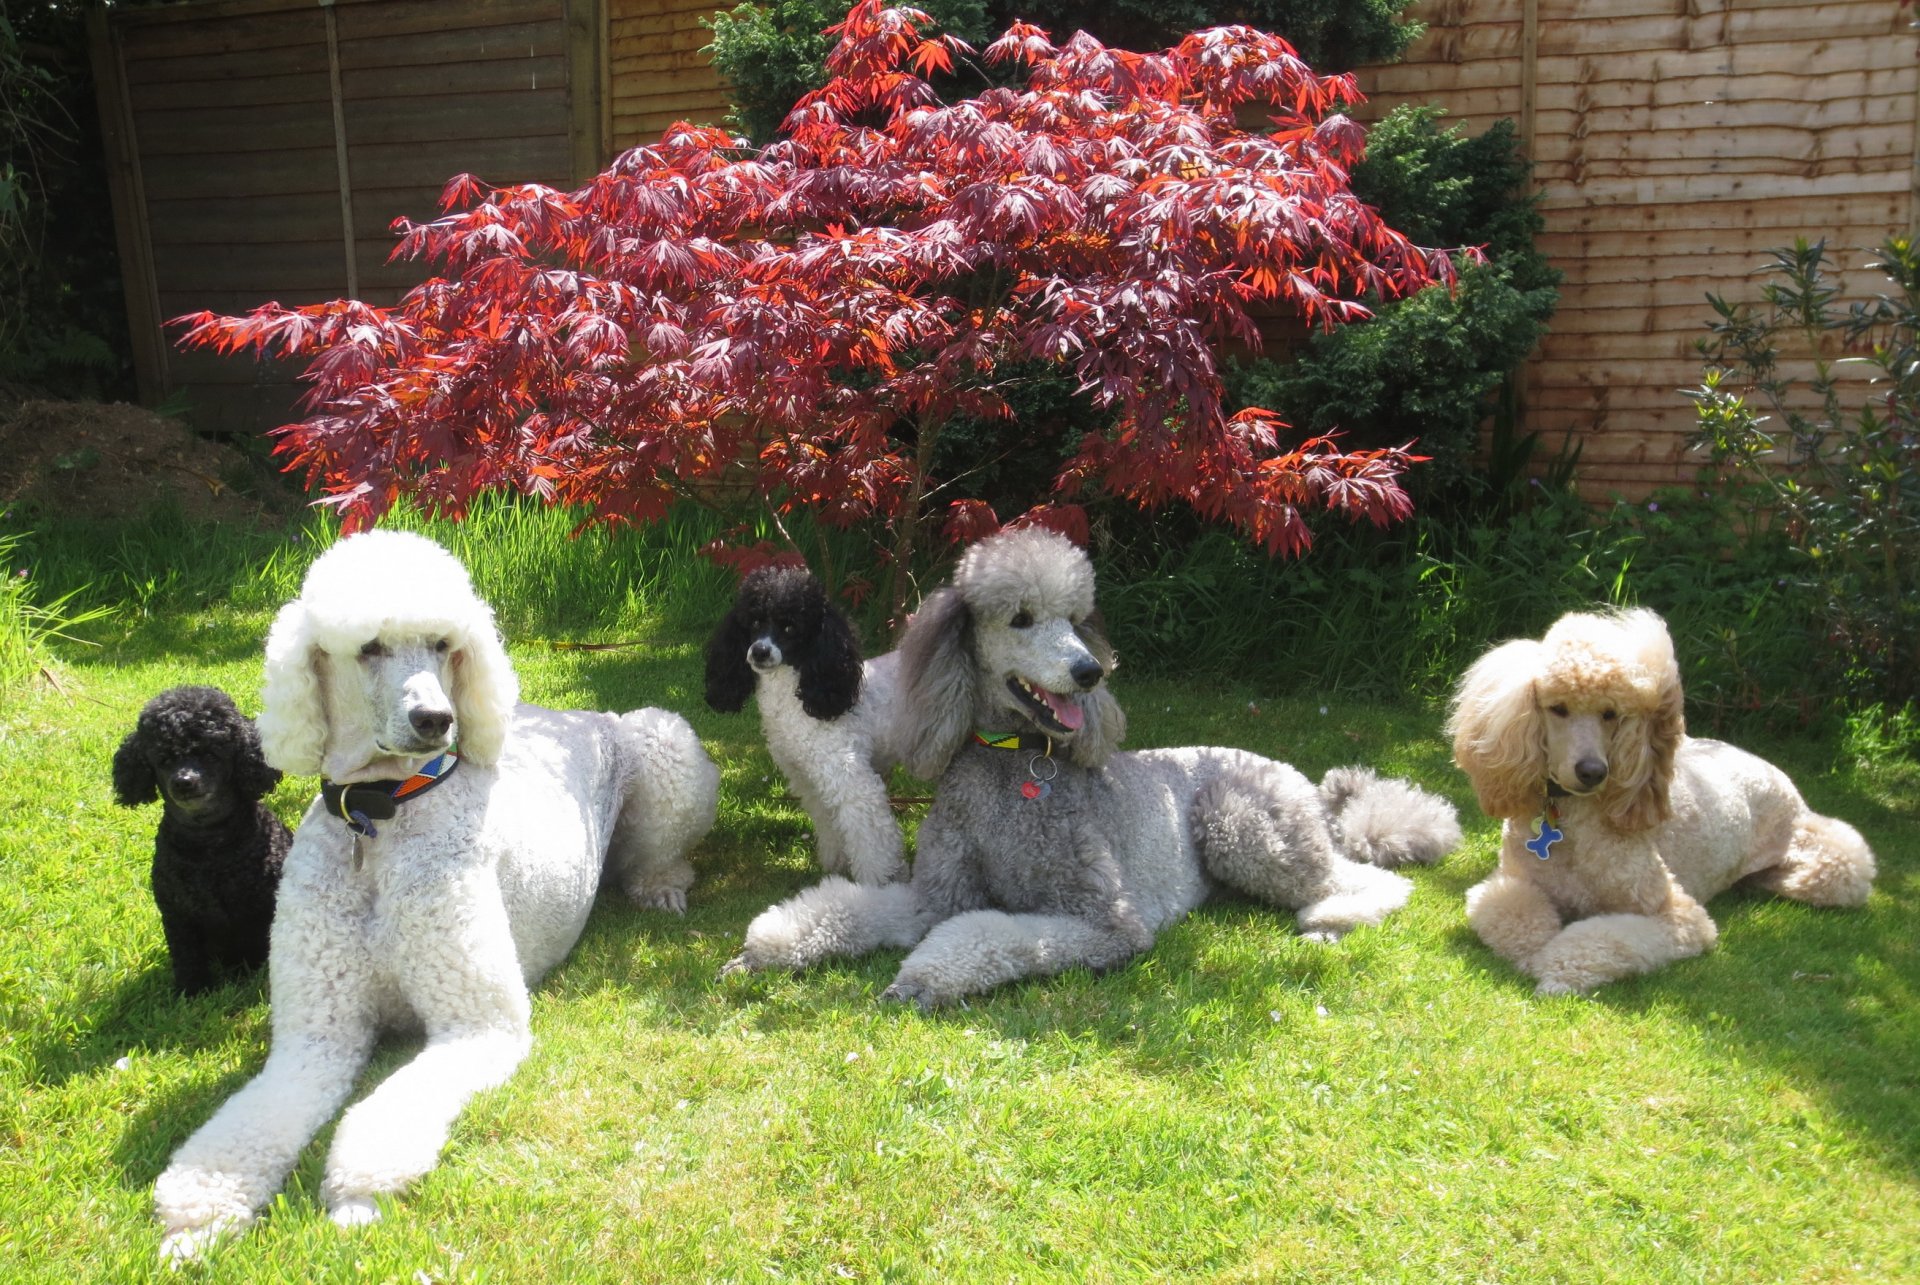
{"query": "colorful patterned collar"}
[(1034, 741), (361, 803)]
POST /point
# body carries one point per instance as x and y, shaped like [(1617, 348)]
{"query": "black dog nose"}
[(186, 783), (1087, 673), (1591, 772), (430, 722), (761, 652)]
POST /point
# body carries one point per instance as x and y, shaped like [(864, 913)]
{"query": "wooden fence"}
[(262, 147), (259, 150), (1674, 143)]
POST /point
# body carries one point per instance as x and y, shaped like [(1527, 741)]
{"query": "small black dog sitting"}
[(217, 856)]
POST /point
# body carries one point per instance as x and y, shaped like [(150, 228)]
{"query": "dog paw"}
[(354, 1211), (738, 964), (672, 900), (920, 993), (1324, 937), (183, 1245)]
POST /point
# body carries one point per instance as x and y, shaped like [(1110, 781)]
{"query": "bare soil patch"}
[(111, 460)]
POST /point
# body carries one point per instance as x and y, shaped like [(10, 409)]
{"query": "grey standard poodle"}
[(1047, 849), (218, 851)]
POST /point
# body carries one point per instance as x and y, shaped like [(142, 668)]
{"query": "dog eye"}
[(1609, 715), (373, 649), (440, 645), (1558, 711), (1021, 619)]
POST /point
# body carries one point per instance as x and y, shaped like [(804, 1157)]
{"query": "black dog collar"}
[(362, 803)]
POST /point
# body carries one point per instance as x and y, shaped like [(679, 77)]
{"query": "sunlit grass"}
[(1237, 1105)]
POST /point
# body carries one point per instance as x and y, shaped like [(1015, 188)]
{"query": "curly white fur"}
[(828, 716), (1085, 872), (443, 920), (1654, 822)]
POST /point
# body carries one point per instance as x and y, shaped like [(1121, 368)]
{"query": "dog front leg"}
[(1513, 917), (1592, 952), (323, 1031), (462, 976), (834, 918), (187, 951), (869, 836), (395, 1135), (982, 949)]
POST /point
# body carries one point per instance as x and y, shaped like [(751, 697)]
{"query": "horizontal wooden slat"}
[(241, 174), (224, 35), (540, 72), (508, 43), (233, 92), (420, 121), (221, 132), (398, 18)]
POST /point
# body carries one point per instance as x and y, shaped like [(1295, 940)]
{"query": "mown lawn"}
[(1237, 1105)]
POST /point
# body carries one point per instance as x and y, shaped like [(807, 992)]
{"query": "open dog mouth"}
[(1054, 713)]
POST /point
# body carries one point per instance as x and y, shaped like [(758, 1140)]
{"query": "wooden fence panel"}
[(1675, 142), (658, 68), (263, 148)]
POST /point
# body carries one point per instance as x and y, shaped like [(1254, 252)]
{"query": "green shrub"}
[(1840, 483), (772, 54), (1330, 35), (1429, 367)]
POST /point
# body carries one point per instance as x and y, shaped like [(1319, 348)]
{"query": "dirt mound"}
[(104, 460)]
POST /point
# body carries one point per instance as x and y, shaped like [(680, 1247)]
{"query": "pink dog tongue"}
[(1064, 708)]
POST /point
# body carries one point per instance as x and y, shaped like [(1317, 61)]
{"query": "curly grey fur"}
[(1120, 844)]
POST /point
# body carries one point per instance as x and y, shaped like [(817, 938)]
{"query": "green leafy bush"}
[(1331, 35), (1840, 482), (1429, 367), (772, 54)]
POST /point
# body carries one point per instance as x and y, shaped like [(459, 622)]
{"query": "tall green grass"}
[(29, 627), (1367, 613), (546, 574)]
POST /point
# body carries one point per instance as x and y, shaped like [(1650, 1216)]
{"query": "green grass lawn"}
[(1236, 1105)]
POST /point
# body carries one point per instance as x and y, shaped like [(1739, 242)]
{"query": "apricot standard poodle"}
[(1620, 826)]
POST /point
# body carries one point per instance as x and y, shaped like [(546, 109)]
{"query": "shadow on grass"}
[(1830, 998), (143, 1013)]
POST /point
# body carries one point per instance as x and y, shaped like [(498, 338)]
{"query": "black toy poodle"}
[(217, 856)]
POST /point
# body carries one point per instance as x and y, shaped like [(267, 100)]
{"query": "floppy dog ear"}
[(938, 684), (133, 779), (1499, 738), (485, 688), (1106, 722), (1640, 770), (252, 775), (830, 665), (729, 679), (293, 714)]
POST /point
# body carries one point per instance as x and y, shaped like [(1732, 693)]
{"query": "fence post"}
[(129, 193)]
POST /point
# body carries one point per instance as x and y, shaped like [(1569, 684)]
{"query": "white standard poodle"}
[(1619, 826), (827, 715), (1045, 849), (449, 863)]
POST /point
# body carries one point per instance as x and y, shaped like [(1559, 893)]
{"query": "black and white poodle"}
[(217, 855), (826, 714)]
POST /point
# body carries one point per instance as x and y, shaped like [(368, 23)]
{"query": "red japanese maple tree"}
[(806, 317)]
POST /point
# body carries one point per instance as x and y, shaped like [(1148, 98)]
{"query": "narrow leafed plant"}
[(802, 319)]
